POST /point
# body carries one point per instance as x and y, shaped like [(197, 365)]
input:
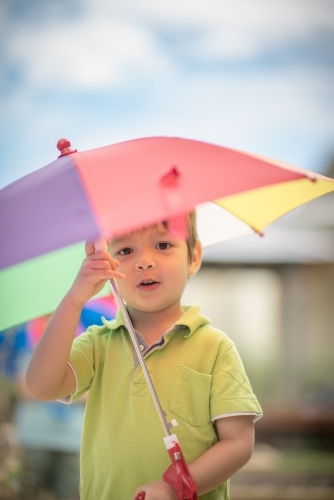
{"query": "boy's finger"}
[(89, 248), (105, 274), (103, 255)]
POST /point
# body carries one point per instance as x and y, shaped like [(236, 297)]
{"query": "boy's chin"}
[(153, 308)]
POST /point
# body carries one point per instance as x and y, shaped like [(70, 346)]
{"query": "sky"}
[(256, 75)]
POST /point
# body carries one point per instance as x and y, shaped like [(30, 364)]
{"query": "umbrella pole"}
[(133, 336)]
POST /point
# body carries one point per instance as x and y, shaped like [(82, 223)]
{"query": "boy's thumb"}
[(100, 244)]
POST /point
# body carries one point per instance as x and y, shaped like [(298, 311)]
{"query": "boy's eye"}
[(163, 245), (125, 251)]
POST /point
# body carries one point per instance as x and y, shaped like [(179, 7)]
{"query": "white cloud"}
[(239, 13), (91, 53), (240, 28)]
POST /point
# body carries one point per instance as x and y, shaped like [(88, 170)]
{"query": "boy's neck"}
[(152, 325)]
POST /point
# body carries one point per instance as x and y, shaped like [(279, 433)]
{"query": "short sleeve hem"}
[(82, 372), (256, 416), (70, 398), (232, 406)]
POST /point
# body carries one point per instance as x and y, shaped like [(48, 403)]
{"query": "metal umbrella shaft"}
[(139, 355)]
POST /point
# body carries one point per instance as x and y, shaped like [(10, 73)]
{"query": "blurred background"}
[(256, 75)]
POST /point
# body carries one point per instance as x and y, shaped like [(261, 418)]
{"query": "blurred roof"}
[(305, 235)]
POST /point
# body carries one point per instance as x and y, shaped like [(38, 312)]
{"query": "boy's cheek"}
[(121, 269)]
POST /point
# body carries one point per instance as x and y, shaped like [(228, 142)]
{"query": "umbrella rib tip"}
[(260, 233)]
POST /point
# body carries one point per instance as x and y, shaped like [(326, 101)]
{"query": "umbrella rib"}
[(141, 360)]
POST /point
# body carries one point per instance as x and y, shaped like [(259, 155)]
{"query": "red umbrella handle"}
[(178, 476)]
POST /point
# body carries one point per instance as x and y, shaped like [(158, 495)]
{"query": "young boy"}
[(197, 373)]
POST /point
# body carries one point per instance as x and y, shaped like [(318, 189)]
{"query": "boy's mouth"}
[(148, 285)]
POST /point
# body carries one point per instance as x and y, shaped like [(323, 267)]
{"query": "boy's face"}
[(156, 267)]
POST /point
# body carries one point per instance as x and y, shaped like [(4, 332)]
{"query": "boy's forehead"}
[(157, 230)]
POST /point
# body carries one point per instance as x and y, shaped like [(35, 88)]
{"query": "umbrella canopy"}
[(123, 187)]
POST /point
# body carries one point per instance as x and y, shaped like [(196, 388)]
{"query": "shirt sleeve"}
[(81, 361), (231, 392)]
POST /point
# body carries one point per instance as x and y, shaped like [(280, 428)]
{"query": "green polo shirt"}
[(198, 376)]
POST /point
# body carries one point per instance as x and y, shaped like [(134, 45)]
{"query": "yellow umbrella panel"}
[(260, 207)]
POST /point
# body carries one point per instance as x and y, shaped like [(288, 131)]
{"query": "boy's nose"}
[(145, 262), (144, 266)]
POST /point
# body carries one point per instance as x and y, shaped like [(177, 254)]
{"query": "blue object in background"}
[(12, 343)]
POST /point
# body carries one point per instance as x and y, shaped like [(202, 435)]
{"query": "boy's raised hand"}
[(96, 269)]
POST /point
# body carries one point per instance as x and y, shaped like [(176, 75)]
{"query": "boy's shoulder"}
[(200, 327), (108, 326)]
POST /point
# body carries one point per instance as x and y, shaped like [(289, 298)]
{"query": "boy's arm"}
[(225, 458), (219, 463), (49, 376)]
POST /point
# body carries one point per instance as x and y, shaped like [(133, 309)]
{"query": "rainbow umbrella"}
[(46, 215)]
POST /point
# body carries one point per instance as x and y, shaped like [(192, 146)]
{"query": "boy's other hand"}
[(95, 271), (158, 490)]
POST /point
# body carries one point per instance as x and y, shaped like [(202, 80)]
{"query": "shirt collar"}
[(191, 319)]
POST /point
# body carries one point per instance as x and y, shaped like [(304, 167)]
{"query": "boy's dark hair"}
[(192, 236), (192, 233)]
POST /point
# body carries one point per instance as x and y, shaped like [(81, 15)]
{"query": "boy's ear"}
[(196, 259)]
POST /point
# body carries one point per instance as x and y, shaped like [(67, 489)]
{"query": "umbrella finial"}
[(64, 146)]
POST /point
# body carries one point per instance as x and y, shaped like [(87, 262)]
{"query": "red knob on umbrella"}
[(64, 146)]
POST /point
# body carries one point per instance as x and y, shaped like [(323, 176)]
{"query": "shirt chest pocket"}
[(190, 396)]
